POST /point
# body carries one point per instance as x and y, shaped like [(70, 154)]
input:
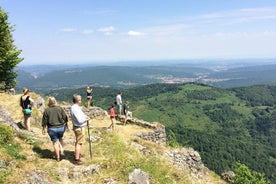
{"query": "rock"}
[(187, 159), (141, 148), (92, 112), (39, 103), (36, 177), (157, 136), (228, 176), (79, 172), (6, 118), (95, 138), (138, 177)]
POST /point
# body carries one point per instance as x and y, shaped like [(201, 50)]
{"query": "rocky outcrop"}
[(228, 176), (157, 136), (187, 159), (92, 112), (5, 117), (39, 103)]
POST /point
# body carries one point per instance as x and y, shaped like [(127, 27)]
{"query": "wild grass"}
[(118, 159)]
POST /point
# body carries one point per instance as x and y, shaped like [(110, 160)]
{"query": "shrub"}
[(243, 175)]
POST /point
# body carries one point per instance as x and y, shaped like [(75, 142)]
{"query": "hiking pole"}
[(89, 139)]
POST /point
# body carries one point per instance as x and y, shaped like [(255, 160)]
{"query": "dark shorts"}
[(56, 133)]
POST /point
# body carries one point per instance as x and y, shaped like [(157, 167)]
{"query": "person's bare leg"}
[(77, 151), (27, 123), (61, 146), (56, 148)]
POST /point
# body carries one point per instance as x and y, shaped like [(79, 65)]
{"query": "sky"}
[(95, 31)]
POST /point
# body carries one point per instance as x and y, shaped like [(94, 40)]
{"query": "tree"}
[(9, 54), (243, 175)]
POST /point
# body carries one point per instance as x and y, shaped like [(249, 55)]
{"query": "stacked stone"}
[(92, 112), (187, 159), (157, 136)]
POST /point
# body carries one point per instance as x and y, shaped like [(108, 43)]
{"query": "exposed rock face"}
[(157, 136), (39, 103), (5, 117), (138, 177), (91, 112), (228, 176), (187, 159)]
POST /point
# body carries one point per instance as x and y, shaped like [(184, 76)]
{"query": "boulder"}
[(138, 177)]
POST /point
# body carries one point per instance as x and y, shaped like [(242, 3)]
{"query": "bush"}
[(243, 175), (6, 135)]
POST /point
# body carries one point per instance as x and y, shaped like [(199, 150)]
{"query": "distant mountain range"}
[(222, 73)]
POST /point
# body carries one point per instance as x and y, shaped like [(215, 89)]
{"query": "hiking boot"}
[(78, 162)]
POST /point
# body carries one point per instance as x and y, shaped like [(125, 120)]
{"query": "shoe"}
[(78, 162), (62, 153), (58, 159)]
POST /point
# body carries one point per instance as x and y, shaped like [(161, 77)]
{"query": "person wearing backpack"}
[(26, 103)]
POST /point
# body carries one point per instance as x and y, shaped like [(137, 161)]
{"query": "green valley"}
[(224, 125)]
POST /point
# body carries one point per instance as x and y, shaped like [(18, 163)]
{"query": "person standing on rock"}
[(79, 120), (126, 112), (55, 119), (89, 96), (112, 117), (26, 104), (119, 102)]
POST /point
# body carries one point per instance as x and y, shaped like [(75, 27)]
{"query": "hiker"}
[(79, 120), (55, 119), (89, 96), (112, 117), (119, 103), (26, 103), (126, 112)]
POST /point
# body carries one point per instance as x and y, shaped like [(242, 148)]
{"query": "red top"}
[(112, 113)]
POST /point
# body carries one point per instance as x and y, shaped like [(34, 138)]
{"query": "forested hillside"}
[(225, 126)]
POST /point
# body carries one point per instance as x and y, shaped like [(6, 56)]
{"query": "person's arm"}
[(64, 117), (45, 120)]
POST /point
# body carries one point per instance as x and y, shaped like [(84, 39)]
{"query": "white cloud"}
[(107, 30), (135, 33), (87, 31)]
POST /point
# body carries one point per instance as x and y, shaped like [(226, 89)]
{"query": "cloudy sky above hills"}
[(69, 31)]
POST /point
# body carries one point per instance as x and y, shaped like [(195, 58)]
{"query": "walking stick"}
[(89, 139)]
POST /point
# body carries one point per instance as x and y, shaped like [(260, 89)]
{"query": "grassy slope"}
[(114, 154)]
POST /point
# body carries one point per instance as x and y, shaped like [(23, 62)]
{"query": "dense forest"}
[(224, 125)]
